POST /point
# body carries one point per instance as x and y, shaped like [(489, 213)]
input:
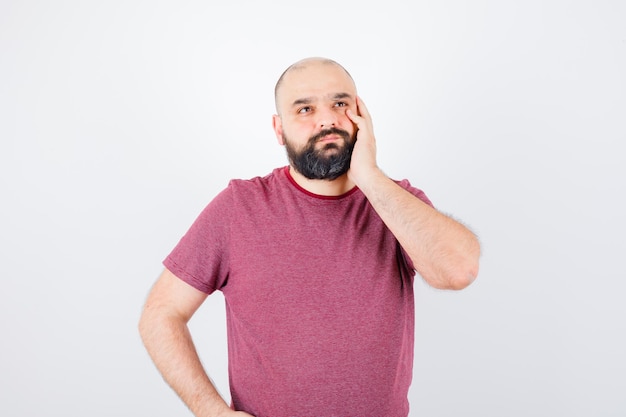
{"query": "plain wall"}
[(120, 120)]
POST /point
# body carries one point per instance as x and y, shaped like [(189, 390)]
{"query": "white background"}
[(120, 120)]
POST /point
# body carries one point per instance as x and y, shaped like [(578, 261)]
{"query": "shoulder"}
[(255, 193), (258, 184), (239, 198)]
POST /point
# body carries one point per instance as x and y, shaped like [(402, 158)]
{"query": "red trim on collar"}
[(319, 196)]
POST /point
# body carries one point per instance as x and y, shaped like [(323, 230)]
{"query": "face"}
[(312, 123)]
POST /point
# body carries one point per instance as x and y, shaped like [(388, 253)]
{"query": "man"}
[(316, 263)]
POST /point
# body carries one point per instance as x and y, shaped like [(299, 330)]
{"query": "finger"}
[(362, 109), (356, 119), (362, 119)]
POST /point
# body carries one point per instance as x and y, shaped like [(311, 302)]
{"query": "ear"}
[(277, 124)]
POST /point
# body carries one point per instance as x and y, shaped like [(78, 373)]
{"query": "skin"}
[(165, 334), (312, 95), (317, 95)]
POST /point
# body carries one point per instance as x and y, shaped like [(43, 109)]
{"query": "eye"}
[(304, 110), (341, 104)]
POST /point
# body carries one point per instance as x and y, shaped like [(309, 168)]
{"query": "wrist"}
[(366, 178)]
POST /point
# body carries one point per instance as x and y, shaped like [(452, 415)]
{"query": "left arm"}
[(444, 252)]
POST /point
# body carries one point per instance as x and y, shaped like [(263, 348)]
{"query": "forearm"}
[(443, 251), (169, 343)]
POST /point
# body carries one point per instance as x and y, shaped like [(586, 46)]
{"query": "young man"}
[(316, 262)]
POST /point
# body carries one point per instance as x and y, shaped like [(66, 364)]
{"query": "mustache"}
[(332, 131)]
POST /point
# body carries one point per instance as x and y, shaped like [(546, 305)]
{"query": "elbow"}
[(147, 324), (464, 270), (143, 326), (462, 276), (455, 276)]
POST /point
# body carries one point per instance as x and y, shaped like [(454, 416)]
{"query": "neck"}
[(331, 188)]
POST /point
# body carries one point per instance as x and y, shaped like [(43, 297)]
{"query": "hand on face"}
[(364, 152)]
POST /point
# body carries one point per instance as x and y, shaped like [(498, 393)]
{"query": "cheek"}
[(299, 132), (297, 137), (351, 127), (346, 121)]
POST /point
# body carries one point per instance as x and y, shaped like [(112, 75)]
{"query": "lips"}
[(329, 138), (329, 135)]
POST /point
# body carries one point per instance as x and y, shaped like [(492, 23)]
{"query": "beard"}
[(326, 163)]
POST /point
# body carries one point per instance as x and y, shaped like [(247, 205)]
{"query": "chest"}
[(294, 261)]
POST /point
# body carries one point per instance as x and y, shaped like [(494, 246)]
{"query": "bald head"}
[(300, 66)]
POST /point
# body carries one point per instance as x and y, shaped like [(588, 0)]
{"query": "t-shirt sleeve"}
[(415, 191), (201, 257)]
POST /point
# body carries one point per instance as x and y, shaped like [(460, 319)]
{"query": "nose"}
[(327, 118)]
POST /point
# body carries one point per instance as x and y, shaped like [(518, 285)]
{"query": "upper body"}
[(319, 298), (329, 138)]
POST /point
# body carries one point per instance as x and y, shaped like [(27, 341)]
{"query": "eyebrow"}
[(339, 96), (309, 100)]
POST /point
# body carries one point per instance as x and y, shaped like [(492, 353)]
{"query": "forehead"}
[(315, 81)]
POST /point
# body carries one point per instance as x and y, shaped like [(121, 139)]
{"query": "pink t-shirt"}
[(319, 298)]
